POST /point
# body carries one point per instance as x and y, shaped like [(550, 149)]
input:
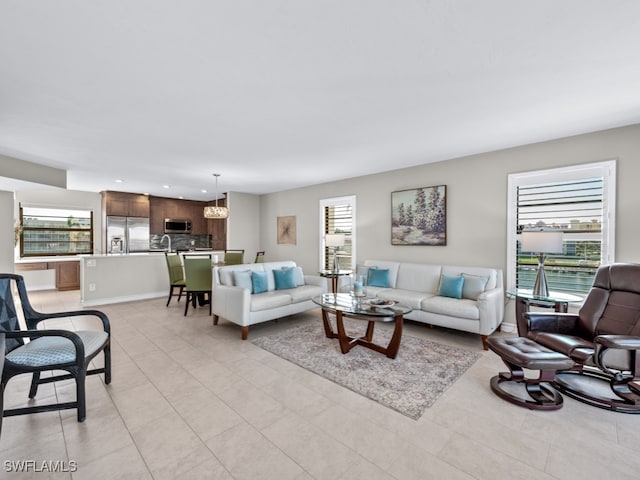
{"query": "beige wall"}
[(476, 202), (243, 224), (23, 171)]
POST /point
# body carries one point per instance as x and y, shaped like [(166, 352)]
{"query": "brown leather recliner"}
[(603, 339)]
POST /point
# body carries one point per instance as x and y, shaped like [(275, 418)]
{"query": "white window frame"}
[(605, 169), (328, 202)]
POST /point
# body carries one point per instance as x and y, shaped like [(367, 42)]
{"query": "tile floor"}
[(192, 401)]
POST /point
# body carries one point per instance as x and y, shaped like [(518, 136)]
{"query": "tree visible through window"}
[(53, 231)]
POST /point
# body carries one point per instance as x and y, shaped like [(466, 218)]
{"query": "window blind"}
[(339, 219), (574, 207)]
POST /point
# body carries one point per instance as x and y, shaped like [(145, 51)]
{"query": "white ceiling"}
[(279, 94)]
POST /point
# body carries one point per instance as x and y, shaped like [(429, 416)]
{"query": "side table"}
[(334, 276), (525, 299)]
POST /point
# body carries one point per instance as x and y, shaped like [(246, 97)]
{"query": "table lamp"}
[(334, 240), (541, 242)]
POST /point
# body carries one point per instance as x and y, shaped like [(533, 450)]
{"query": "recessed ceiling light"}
[(203, 191), (180, 197), (166, 186), (119, 180)]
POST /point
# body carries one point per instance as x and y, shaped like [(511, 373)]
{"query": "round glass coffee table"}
[(361, 308)]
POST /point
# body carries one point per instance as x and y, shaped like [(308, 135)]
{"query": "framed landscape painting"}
[(419, 216)]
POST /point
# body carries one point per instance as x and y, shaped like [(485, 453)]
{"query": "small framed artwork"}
[(287, 230), (419, 216)]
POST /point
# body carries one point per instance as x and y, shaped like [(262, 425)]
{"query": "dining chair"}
[(233, 257), (260, 257), (49, 350), (176, 275), (198, 277)]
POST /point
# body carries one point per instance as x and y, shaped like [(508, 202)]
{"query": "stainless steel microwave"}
[(172, 225)]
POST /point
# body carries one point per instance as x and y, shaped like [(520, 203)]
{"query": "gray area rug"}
[(409, 384)]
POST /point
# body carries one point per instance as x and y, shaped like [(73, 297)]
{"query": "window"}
[(338, 215), (579, 201), (55, 231)]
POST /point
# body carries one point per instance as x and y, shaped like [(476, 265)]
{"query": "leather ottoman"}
[(520, 353)]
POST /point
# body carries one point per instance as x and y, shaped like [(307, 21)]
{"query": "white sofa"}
[(239, 305), (480, 310)]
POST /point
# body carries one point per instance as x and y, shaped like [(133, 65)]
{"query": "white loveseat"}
[(234, 300), (480, 310)]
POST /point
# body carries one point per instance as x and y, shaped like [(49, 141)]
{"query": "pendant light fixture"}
[(216, 211)]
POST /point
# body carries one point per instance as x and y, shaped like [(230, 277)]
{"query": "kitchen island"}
[(116, 278), (120, 278)]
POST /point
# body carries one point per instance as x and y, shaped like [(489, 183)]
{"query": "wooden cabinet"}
[(159, 209), (173, 209), (125, 204), (67, 275), (198, 222), (116, 205), (156, 215), (138, 206), (67, 272), (30, 267), (217, 228), (192, 210)]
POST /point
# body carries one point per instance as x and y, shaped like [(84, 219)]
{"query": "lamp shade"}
[(216, 212), (334, 240), (540, 241)]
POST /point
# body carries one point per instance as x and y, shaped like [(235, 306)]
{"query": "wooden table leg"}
[(394, 343), (346, 343), (328, 331), (369, 335)]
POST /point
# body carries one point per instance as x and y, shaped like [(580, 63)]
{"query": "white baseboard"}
[(129, 298)]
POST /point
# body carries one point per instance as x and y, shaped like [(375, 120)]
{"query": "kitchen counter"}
[(68, 258), (117, 278), (49, 272)]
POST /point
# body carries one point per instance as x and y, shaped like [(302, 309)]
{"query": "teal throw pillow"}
[(242, 278), (259, 281), (378, 277), (285, 278), (451, 286)]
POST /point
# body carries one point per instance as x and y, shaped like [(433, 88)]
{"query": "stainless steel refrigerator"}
[(127, 234)]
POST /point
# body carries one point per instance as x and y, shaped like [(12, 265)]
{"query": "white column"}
[(7, 245)]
